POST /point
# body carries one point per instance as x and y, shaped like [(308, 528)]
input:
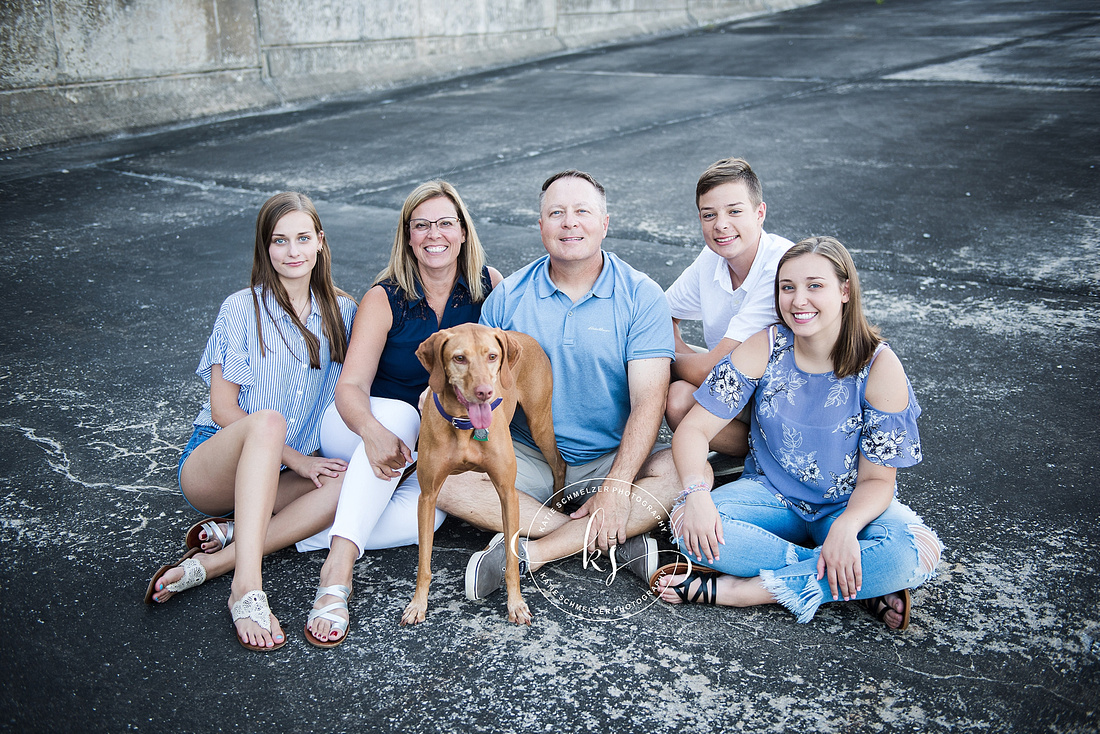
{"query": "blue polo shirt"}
[(624, 317)]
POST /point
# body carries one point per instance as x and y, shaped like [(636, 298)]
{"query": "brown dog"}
[(473, 367)]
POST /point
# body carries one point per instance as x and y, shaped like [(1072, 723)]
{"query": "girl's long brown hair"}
[(858, 338), (320, 281)]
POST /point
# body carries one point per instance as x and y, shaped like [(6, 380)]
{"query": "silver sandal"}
[(213, 531), (339, 624)]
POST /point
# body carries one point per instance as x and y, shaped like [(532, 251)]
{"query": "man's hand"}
[(609, 510)]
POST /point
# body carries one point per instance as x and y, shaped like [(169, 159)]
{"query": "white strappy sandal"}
[(253, 605), (193, 574), (339, 624)]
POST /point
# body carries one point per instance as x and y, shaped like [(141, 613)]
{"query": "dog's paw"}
[(519, 613), (414, 613)]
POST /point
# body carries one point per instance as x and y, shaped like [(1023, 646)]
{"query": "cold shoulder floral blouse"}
[(807, 430)]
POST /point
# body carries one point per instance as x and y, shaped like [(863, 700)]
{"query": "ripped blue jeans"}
[(764, 537)]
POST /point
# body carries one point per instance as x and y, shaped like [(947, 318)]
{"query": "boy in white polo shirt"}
[(730, 287)]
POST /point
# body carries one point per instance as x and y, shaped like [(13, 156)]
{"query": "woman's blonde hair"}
[(858, 338), (320, 281), (402, 268)]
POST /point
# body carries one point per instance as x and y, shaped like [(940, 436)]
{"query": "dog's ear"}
[(509, 355), (430, 354)]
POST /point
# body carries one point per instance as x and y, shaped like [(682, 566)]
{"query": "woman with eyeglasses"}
[(436, 278)]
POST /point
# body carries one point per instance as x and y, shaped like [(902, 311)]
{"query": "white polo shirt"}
[(704, 291)]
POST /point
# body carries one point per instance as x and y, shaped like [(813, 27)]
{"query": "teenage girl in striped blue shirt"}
[(272, 364)]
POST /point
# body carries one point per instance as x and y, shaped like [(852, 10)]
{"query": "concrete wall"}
[(79, 68)]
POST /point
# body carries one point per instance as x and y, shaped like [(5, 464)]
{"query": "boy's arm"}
[(695, 366), (680, 346)]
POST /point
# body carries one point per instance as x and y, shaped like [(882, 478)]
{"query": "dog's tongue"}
[(481, 414)]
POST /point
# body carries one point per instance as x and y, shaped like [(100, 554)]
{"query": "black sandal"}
[(877, 607), (708, 589)]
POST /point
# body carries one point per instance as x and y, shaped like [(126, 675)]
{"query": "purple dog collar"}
[(459, 423)]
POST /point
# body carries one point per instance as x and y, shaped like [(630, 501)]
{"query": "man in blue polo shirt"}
[(607, 330)]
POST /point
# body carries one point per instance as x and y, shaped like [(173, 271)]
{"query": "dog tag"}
[(481, 434)]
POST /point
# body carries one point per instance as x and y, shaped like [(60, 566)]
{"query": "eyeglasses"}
[(444, 225)]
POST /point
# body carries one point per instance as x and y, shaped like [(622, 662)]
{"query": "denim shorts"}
[(200, 434)]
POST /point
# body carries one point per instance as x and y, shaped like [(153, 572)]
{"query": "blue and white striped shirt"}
[(282, 379)]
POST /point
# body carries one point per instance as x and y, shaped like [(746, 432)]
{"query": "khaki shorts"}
[(534, 477)]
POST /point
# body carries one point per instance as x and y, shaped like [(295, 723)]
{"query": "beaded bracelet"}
[(692, 488)]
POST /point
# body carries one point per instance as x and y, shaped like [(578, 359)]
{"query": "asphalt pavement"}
[(953, 146)]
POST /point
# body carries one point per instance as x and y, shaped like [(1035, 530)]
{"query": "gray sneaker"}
[(639, 555), (485, 570)]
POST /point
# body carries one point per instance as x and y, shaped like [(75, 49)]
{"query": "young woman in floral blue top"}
[(813, 518)]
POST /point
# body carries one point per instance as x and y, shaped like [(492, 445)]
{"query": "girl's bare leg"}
[(238, 469), (301, 510)]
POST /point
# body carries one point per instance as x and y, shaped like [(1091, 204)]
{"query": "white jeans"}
[(373, 513)]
